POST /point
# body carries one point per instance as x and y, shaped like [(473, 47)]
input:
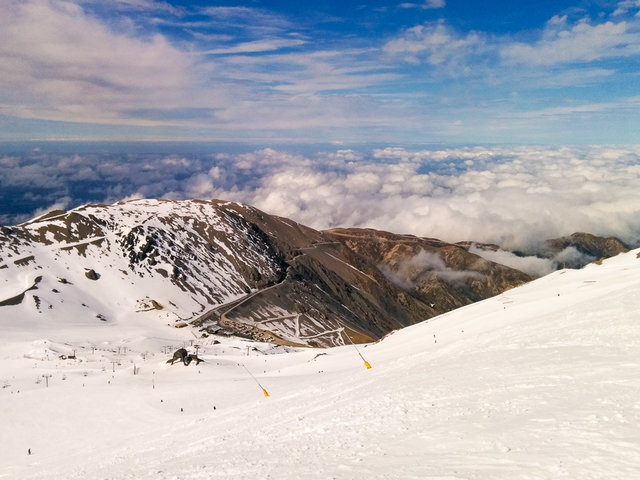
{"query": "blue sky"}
[(402, 73)]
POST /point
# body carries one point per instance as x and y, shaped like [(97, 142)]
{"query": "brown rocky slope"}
[(227, 268)]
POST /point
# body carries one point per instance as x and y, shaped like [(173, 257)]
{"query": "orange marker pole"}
[(266, 394), (366, 364)]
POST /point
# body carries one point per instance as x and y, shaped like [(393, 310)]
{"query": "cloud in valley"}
[(408, 273), (511, 196), (533, 265)]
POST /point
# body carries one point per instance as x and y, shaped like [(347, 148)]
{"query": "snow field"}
[(540, 382)]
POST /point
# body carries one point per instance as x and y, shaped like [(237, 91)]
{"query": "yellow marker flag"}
[(366, 364), (266, 394)]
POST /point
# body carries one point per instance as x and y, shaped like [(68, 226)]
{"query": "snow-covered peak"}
[(220, 265), (114, 260)]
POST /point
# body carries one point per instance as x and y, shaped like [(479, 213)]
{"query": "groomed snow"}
[(540, 382)]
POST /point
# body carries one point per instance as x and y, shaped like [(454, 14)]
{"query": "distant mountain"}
[(222, 267), (590, 245), (441, 274)]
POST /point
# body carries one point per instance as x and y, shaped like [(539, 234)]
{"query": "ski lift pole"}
[(366, 364), (266, 394)]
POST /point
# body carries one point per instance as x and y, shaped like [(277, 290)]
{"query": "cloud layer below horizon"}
[(512, 196)]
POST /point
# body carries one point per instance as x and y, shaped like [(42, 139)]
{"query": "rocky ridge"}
[(225, 268)]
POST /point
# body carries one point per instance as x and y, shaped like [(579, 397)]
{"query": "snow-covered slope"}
[(540, 382), (222, 265), (185, 256)]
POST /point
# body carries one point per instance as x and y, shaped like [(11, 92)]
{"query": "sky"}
[(404, 73), (498, 121)]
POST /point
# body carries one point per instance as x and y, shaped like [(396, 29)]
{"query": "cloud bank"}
[(511, 196), (533, 265)]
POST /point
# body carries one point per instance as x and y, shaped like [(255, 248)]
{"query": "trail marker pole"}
[(266, 394), (366, 364)]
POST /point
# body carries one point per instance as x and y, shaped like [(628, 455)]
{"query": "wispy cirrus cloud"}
[(137, 5), (60, 62), (585, 41), (626, 6), (151, 69), (255, 46), (434, 43), (425, 5), (243, 20), (561, 41)]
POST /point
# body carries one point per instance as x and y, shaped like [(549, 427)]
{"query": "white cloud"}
[(436, 44), (250, 73), (532, 265), (139, 5), (256, 46), (514, 197), (257, 21), (200, 186), (60, 204), (58, 63), (626, 5), (571, 256), (511, 196), (409, 271), (309, 72), (561, 43), (583, 42), (426, 5)]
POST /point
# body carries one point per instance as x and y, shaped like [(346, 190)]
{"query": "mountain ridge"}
[(226, 268)]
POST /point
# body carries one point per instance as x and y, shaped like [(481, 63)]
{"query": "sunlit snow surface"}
[(540, 382)]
